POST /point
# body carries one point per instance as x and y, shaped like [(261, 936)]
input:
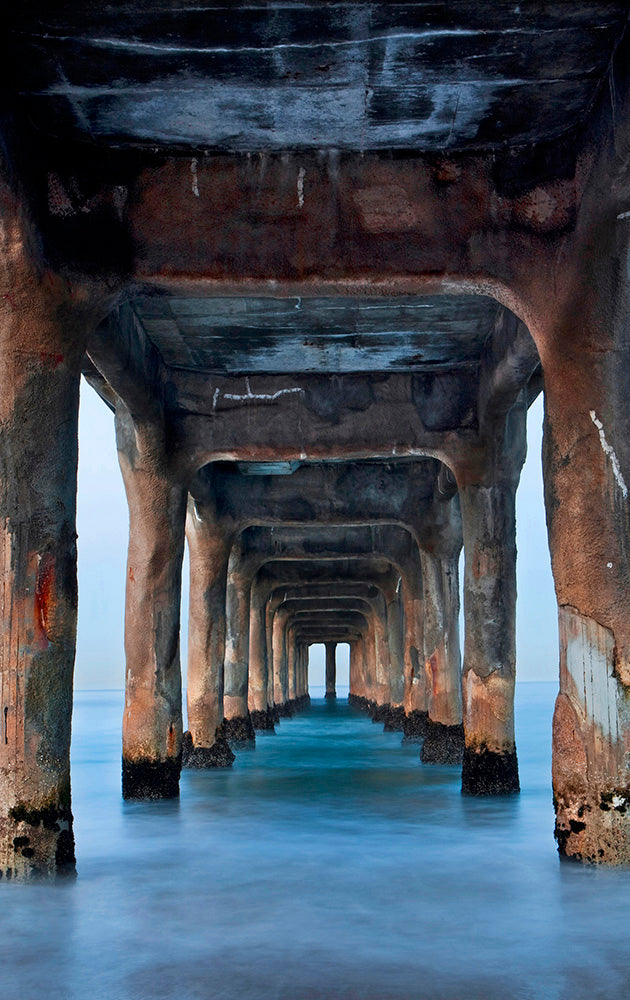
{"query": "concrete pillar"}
[(302, 685), (152, 720), (488, 511), (42, 338), (260, 709), (444, 737), (209, 543), (291, 672), (238, 724), (415, 689), (582, 337), (392, 711), (280, 654), (358, 669), (331, 670), (279, 664)]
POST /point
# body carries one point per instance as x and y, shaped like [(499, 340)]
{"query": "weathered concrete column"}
[(152, 720), (390, 710), (291, 673), (582, 336), (358, 668), (282, 677), (488, 512), (444, 739), (260, 708), (439, 535), (43, 325), (279, 664), (302, 674), (415, 688), (238, 724), (209, 543), (331, 670)]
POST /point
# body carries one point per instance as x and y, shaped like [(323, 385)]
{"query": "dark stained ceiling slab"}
[(253, 335), (307, 74)]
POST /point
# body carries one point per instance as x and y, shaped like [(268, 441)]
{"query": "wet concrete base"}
[(486, 772), (150, 779), (283, 710), (239, 729), (380, 713), (442, 744), (395, 719), (263, 719), (37, 844), (218, 755), (363, 704), (415, 726), (593, 825)]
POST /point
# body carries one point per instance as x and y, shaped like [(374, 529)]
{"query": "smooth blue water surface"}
[(328, 863)]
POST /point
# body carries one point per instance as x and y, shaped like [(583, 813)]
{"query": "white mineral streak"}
[(608, 450), (264, 397), (195, 179), (589, 660), (300, 186)]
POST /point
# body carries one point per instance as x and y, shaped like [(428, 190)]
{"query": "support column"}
[(261, 712), (238, 724), (209, 543), (358, 672), (152, 720), (444, 734), (488, 510), (584, 346), (381, 644), (415, 688), (394, 715), (279, 664), (42, 339), (331, 670)]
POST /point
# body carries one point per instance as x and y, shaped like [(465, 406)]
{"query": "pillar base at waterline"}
[(363, 704), (489, 772), (380, 713), (150, 779), (594, 828), (36, 843), (295, 705), (415, 726), (330, 695), (199, 758), (442, 744), (264, 719), (394, 722), (239, 729)]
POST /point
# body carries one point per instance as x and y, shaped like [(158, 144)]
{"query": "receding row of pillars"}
[(260, 595)]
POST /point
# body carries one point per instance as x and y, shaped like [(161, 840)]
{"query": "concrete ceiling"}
[(310, 74), (246, 335)]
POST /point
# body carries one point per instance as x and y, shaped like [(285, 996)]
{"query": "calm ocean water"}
[(328, 863)]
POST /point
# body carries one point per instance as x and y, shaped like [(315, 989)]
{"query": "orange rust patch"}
[(484, 564), (433, 668), (45, 592), (131, 576), (51, 360)]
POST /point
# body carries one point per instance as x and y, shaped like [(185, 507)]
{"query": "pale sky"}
[(102, 524)]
